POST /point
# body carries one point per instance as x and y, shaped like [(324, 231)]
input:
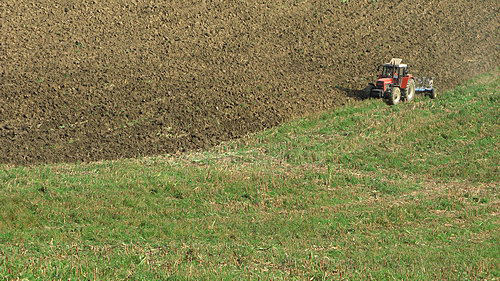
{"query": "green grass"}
[(366, 191)]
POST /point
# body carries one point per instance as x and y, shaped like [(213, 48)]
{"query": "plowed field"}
[(84, 80)]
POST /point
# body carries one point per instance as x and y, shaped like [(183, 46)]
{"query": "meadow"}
[(364, 191)]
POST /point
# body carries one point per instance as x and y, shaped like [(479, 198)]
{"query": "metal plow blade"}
[(424, 84)]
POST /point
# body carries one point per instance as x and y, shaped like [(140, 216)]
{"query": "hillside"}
[(92, 80), (365, 191)]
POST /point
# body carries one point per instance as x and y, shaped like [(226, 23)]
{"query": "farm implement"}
[(395, 84)]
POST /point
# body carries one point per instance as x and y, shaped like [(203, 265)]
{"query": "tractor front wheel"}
[(409, 92), (394, 97)]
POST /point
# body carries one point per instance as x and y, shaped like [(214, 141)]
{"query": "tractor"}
[(395, 84)]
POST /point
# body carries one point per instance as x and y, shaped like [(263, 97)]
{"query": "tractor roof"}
[(395, 63)]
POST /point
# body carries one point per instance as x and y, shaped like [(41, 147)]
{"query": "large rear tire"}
[(394, 97), (409, 92)]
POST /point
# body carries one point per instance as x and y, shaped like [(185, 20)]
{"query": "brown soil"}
[(86, 80)]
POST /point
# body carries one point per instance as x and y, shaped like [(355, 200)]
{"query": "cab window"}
[(387, 71)]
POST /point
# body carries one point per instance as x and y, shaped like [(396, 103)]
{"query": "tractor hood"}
[(382, 83), (384, 80)]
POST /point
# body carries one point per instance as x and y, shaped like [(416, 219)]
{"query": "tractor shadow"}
[(358, 94)]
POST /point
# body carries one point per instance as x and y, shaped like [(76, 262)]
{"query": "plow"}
[(425, 86), (395, 84)]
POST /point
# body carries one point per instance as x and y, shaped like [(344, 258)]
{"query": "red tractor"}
[(394, 83)]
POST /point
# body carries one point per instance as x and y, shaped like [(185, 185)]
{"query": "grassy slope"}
[(365, 191)]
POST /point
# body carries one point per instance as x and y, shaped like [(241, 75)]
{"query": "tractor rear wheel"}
[(409, 92), (394, 97)]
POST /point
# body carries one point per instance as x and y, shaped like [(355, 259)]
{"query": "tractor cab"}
[(392, 72)]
